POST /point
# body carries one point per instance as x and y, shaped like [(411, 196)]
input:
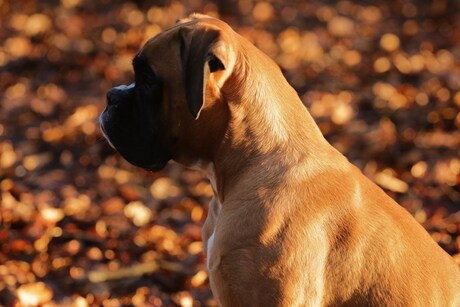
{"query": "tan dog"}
[(292, 223)]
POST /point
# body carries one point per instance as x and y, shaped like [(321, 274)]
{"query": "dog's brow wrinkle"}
[(137, 61)]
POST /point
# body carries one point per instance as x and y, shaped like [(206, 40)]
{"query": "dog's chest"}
[(208, 251)]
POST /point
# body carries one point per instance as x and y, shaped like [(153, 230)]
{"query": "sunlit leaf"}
[(34, 294)]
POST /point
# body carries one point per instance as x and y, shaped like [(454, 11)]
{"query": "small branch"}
[(137, 270)]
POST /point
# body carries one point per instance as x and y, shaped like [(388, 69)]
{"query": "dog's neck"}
[(264, 122)]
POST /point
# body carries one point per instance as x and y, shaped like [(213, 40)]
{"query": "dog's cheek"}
[(157, 113)]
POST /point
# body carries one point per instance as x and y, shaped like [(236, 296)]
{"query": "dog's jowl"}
[(292, 222)]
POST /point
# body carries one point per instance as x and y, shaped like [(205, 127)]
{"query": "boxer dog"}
[(292, 222)]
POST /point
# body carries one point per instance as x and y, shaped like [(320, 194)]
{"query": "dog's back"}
[(383, 257)]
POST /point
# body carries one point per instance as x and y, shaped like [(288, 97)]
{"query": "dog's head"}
[(174, 109)]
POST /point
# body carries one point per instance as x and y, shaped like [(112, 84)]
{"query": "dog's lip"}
[(150, 167), (155, 167), (104, 133)]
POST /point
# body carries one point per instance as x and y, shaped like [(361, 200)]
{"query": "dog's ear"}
[(199, 59)]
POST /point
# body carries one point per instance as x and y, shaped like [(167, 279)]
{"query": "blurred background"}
[(81, 227)]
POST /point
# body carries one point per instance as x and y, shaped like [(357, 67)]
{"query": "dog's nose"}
[(119, 93)]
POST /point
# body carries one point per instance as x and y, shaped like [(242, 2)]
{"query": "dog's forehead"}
[(169, 38), (162, 50), (161, 41)]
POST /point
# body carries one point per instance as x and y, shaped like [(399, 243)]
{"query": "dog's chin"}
[(155, 167), (152, 164)]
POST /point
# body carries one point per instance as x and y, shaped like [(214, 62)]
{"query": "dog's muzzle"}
[(130, 125)]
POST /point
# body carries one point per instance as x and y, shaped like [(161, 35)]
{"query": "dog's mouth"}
[(104, 133), (133, 148), (155, 167)]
